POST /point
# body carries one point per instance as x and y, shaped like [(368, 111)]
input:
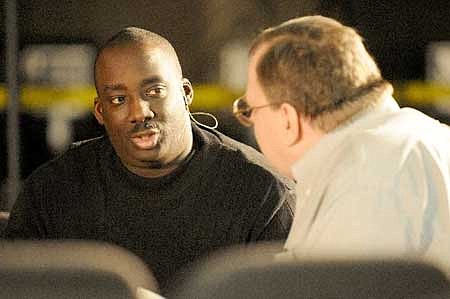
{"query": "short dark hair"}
[(318, 65)]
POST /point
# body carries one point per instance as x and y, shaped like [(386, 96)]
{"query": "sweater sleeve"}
[(276, 214), (25, 221)]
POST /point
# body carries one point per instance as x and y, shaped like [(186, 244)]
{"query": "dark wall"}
[(397, 32), (48, 21)]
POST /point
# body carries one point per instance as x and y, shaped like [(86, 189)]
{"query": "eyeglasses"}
[(243, 112)]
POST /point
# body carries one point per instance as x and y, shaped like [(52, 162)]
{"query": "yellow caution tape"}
[(422, 93), (207, 97), (37, 98)]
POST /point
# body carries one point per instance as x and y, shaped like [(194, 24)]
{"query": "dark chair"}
[(251, 274), (70, 269)]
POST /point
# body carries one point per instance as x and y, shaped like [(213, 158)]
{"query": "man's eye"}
[(117, 100), (157, 91), (247, 112)]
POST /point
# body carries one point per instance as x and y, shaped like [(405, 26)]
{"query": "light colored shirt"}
[(147, 294), (377, 185)]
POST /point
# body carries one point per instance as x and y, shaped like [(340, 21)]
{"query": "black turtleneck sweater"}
[(223, 195)]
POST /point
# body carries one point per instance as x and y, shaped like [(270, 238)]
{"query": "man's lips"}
[(145, 140)]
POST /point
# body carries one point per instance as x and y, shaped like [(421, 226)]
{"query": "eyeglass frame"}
[(243, 115)]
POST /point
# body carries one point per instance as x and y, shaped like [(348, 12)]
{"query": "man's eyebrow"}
[(114, 87), (120, 86), (152, 80)]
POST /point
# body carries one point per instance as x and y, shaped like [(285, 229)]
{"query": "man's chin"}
[(147, 159)]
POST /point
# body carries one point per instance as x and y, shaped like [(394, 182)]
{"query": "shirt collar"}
[(305, 168)]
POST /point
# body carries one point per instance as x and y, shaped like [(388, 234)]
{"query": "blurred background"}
[(57, 42)]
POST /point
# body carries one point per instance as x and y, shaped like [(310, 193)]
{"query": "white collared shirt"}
[(377, 185)]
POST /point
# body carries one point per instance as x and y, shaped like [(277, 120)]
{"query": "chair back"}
[(4, 217), (70, 269), (250, 274)]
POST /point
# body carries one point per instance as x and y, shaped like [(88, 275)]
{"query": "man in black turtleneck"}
[(166, 189)]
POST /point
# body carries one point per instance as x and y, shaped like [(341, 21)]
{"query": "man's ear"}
[(292, 124), (188, 92), (98, 111)]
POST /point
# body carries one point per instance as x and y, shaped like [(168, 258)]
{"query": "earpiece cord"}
[(216, 122)]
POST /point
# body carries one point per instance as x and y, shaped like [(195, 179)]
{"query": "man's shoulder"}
[(232, 149), (404, 141), (83, 151), (79, 157), (402, 134), (87, 145), (240, 156)]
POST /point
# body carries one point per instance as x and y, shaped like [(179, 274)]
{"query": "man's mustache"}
[(143, 126)]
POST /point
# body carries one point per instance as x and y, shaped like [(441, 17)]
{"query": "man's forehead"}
[(254, 93), (155, 54), (144, 57), (260, 51), (255, 59), (134, 50), (160, 54)]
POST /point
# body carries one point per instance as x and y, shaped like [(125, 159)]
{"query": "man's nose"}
[(140, 110)]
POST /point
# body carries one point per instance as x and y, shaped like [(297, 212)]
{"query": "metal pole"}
[(12, 125)]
